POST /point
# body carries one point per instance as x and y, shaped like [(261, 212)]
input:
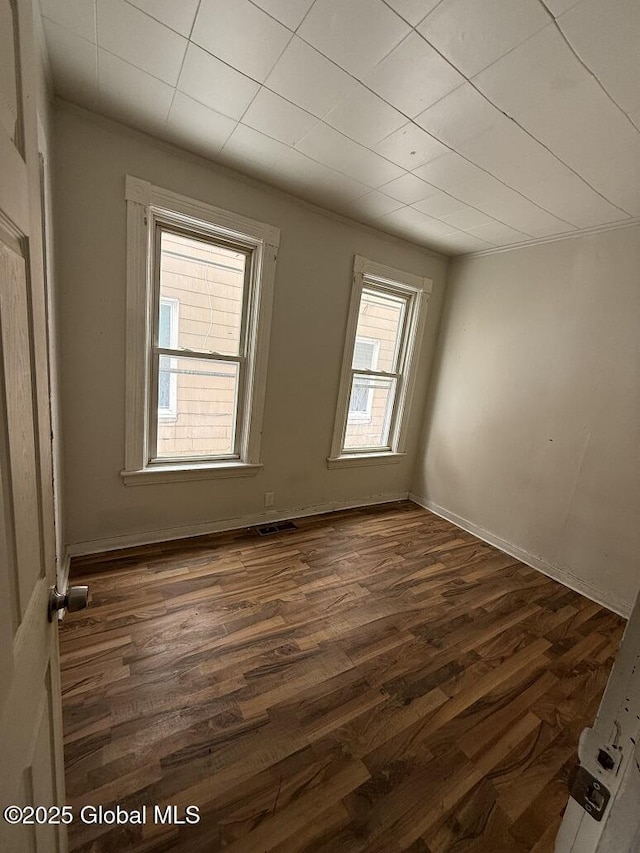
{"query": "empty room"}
[(320, 434)]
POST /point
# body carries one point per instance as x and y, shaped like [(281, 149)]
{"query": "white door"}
[(610, 753), (30, 731)]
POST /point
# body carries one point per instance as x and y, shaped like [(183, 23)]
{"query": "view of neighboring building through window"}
[(365, 357), (201, 337), (380, 326), (384, 329)]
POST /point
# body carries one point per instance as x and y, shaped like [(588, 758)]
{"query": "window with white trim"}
[(385, 327), (200, 283)]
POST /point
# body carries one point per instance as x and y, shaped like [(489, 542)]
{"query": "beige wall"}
[(533, 429), (312, 292)]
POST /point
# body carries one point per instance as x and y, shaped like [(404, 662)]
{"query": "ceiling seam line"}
[(470, 80), (452, 150)]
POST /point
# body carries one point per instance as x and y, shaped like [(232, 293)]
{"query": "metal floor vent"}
[(277, 527)]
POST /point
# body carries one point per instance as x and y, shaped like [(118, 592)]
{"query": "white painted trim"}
[(539, 241), (195, 471), (130, 540), (372, 268), (355, 460), (558, 573), (142, 192)]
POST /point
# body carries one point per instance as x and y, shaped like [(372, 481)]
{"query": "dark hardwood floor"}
[(376, 680)]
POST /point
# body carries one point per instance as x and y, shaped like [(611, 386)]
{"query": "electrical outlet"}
[(269, 498)]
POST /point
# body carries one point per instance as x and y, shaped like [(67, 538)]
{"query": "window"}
[(385, 326), (365, 357), (200, 283)]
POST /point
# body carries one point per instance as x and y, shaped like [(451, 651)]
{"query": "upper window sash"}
[(147, 206)]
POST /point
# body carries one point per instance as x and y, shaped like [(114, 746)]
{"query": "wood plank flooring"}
[(376, 680)]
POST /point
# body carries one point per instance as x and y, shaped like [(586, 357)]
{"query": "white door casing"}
[(30, 719)]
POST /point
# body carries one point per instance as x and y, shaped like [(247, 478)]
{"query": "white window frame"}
[(148, 206), (416, 290), (170, 413)]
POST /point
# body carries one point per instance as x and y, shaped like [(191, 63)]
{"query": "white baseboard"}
[(129, 540), (558, 573)]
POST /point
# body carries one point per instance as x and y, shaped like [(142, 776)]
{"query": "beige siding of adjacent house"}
[(205, 283), (378, 323)]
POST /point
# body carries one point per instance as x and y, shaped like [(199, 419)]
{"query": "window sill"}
[(355, 460), (181, 473)]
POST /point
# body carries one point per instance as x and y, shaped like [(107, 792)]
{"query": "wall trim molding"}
[(557, 573), (539, 241), (150, 537)]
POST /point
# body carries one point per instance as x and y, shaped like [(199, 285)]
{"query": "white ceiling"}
[(458, 124)]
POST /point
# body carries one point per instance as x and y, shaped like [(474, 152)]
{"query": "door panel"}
[(30, 719)]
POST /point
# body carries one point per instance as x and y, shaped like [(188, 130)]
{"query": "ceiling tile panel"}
[(289, 12), (413, 11), (309, 79), (408, 189), (459, 116), (609, 44), (241, 35), (513, 156), (498, 233), (365, 117), (140, 40), (178, 16), (472, 35), (469, 218), (558, 7), (317, 182), (214, 84), (74, 64), (373, 205), (327, 146), (545, 88), (271, 114), (196, 127), (440, 205), (78, 16), (410, 147), (463, 243), (452, 173), (252, 152), (356, 35), (415, 224), (413, 76), (148, 99)]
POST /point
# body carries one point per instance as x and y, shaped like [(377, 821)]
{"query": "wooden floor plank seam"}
[(374, 680)]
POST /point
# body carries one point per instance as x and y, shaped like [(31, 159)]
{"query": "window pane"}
[(208, 283), (380, 319), (165, 381), (203, 422), (374, 395)]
